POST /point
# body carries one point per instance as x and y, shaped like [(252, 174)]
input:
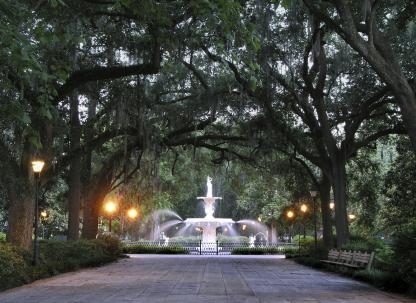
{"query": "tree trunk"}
[(339, 179), (90, 215), (97, 192), (21, 214), (74, 172), (91, 211), (324, 193), (273, 232), (406, 99)]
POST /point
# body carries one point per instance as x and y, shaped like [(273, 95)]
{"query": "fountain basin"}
[(209, 226)]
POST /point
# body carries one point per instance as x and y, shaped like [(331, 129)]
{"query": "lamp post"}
[(110, 207), (304, 209), (37, 166), (315, 234), (43, 214), (290, 214)]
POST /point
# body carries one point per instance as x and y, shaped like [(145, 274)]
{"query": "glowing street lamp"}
[(332, 205), (43, 215), (290, 215), (37, 166), (304, 209), (110, 207), (352, 216), (132, 213)]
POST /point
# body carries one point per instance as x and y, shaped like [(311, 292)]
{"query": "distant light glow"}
[(332, 205), (290, 214), (352, 216)]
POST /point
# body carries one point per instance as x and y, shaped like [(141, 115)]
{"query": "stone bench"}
[(350, 259)]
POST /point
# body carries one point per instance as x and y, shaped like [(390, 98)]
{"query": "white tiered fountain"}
[(209, 224)]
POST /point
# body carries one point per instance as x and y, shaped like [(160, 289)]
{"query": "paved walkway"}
[(152, 278)]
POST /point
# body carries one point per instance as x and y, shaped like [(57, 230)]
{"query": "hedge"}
[(155, 249), (55, 257), (256, 251)]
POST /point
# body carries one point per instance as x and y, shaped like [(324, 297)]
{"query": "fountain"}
[(208, 225)]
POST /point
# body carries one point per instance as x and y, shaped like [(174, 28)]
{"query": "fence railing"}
[(216, 248)]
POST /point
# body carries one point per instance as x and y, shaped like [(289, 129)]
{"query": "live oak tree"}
[(299, 91), (58, 78), (376, 30)]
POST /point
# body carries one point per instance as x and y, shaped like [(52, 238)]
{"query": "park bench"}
[(350, 259)]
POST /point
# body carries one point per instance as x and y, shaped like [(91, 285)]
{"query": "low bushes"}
[(310, 261), (14, 266), (256, 251), (189, 239), (363, 244), (404, 255), (155, 249), (235, 239), (55, 257), (381, 279)]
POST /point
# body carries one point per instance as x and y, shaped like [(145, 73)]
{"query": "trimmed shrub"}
[(362, 244), (404, 255), (14, 269), (154, 249), (55, 257), (257, 251), (189, 239), (309, 261), (236, 239), (381, 279)]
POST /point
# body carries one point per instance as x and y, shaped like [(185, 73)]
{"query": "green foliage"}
[(55, 257), (363, 244), (404, 255), (380, 279), (307, 240), (14, 270), (229, 239), (2, 237), (400, 188), (364, 189), (310, 261), (187, 239), (257, 251), (155, 249)]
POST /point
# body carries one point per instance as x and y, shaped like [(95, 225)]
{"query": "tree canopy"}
[(140, 100)]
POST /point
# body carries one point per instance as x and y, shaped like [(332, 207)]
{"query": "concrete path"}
[(152, 278)]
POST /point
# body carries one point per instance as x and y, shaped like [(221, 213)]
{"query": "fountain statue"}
[(209, 200)]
